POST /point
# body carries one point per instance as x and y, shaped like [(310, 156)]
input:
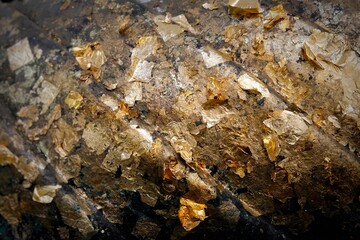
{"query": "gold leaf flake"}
[(293, 89), (256, 203), (289, 123), (45, 194), (323, 47), (74, 212), (272, 146), (64, 138), (248, 82), (259, 45), (145, 47), (237, 167), (285, 24), (182, 141), (70, 166), (74, 99), (90, 58), (275, 15), (133, 93), (191, 213), (140, 69), (168, 31), (28, 169), (109, 101), (183, 22), (124, 24), (210, 6), (6, 156), (241, 7), (233, 32), (213, 57), (200, 187)]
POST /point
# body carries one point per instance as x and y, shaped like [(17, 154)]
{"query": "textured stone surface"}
[(198, 124)]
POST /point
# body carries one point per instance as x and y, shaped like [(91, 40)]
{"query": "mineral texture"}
[(206, 119)]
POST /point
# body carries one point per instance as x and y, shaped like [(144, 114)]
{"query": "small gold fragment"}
[(210, 6), (272, 146), (237, 167), (275, 15), (45, 194), (191, 213), (124, 24), (249, 167), (74, 99), (285, 24), (323, 48), (90, 58), (259, 45), (6, 156), (243, 7)]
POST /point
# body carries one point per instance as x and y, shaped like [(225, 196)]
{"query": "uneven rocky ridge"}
[(178, 120)]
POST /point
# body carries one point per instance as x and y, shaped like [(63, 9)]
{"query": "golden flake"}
[(191, 213)]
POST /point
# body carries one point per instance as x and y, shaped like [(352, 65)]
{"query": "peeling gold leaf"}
[(288, 123), (90, 58), (323, 47), (293, 89), (237, 167), (191, 213), (275, 14), (233, 35), (215, 91)]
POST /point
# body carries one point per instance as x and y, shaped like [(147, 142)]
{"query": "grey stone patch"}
[(46, 95), (19, 92), (20, 54), (3, 56)]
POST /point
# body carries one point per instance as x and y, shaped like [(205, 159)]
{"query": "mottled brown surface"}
[(276, 161)]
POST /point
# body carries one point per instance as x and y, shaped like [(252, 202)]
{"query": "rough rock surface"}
[(179, 120)]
